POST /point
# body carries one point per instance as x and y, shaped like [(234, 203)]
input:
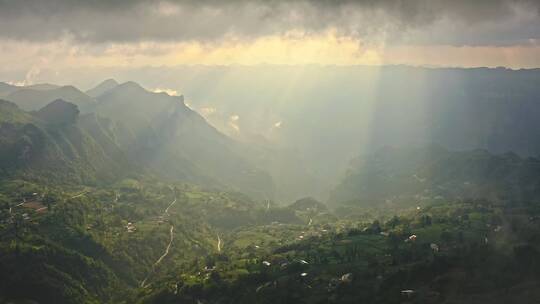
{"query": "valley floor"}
[(140, 242)]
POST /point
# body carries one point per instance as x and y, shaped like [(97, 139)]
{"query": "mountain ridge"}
[(102, 87), (130, 125)]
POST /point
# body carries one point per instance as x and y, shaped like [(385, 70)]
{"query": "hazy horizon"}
[(61, 34)]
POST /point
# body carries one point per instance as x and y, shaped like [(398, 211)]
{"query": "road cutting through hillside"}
[(171, 238), (218, 243), (80, 194)]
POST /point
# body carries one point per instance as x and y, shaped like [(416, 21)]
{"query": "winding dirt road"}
[(171, 237), (218, 243)]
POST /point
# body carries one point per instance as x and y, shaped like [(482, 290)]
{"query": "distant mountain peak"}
[(58, 102), (103, 87), (109, 81), (29, 99), (133, 90), (69, 88), (42, 86), (6, 88), (58, 112), (131, 85)]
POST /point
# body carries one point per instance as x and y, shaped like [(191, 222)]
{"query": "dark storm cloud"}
[(457, 22)]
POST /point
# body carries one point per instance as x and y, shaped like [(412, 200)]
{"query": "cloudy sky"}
[(59, 34)]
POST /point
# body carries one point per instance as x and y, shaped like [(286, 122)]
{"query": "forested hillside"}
[(397, 176), (127, 129), (50, 145)]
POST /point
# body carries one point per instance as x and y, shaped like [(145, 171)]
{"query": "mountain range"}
[(123, 126), (300, 140)]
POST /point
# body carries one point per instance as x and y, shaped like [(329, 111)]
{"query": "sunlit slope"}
[(176, 142)]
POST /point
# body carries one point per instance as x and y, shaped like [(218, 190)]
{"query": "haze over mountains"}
[(333, 114), (304, 136), (34, 98), (261, 152), (125, 126)]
